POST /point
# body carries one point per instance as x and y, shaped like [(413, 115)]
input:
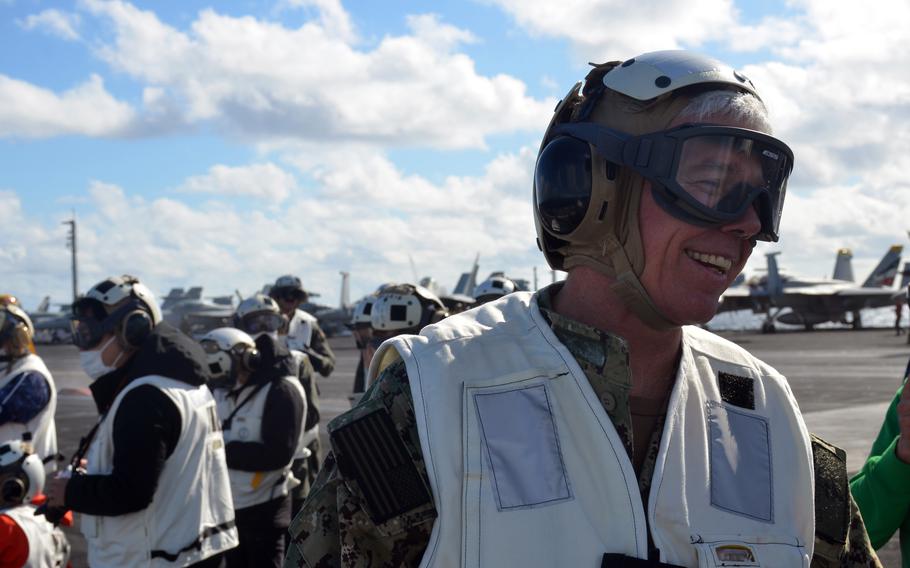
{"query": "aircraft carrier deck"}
[(843, 380)]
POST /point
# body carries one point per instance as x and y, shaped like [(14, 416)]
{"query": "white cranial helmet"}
[(494, 287), (258, 314), (21, 473), (406, 307), (223, 346), (363, 310)]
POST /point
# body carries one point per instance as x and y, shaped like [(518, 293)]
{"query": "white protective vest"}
[(42, 427), (300, 330), (252, 488), (191, 516), (47, 545), (299, 336), (526, 468)]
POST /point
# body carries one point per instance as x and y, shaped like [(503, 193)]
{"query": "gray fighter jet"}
[(796, 301)]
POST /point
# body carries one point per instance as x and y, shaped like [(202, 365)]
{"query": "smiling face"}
[(688, 267)]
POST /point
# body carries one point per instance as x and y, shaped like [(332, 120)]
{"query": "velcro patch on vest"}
[(736, 390), (832, 494), (369, 451)]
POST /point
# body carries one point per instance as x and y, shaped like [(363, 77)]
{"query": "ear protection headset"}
[(135, 328), (21, 473), (13, 489)]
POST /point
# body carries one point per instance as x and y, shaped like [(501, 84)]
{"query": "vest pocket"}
[(740, 551), (741, 474), (522, 447)]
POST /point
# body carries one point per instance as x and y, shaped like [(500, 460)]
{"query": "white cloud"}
[(88, 109), (367, 220), (55, 22), (331, 14), (258, 180), (604, 30), (263, 81)]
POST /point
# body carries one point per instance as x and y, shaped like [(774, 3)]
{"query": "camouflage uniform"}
[(333, 529)]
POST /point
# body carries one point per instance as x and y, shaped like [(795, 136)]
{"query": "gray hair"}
[(735, 105)]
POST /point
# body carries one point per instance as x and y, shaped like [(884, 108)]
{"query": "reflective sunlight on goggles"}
[(262, 322)]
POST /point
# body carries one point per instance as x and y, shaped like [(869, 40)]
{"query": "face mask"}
[(92, 364)]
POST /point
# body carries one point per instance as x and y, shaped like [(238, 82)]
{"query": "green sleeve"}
[(882, 487)]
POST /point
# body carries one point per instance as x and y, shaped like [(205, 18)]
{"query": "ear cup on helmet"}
[(135, 329), (251, 360), (13, 489), (562, 184)]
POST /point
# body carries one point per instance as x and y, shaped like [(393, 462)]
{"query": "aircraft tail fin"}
[(44, 305), (883, 274), (468, 280), (175, 295), (843, 267), (775, 285)]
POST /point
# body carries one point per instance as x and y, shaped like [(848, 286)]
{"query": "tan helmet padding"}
[(613, 245)]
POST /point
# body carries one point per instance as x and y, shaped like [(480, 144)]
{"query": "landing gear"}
[(768, 327), (857, 320)]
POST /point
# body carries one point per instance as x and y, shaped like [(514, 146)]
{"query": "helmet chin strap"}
[(628, 287)]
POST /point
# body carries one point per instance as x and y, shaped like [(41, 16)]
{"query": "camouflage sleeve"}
[(841, 540), (334, 527), (320, 353), (856, 552)]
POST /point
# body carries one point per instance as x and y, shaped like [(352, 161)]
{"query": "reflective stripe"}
[(196, 544)]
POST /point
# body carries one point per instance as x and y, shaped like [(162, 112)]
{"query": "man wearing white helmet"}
[(261, 407), (590, 423), (302, 334), (27, 538), (28, 396), (155, 489), (260, 316)]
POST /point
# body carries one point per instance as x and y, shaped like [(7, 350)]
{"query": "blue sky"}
[(224, 144)]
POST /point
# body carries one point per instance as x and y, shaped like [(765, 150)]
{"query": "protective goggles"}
[(288, 294), (89, 323), (261, 322), (212, 348), (704, 174)]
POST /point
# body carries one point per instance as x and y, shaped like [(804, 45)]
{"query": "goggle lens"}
[(726, 173), (262, 322)]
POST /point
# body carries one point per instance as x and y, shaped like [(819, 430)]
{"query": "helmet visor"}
[(260, 322)]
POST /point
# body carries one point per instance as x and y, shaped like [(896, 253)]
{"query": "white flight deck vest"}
[(191, 516), (248, 487), (47, 545), (300, 335), (300, 330), (526, 468), (42, 427)]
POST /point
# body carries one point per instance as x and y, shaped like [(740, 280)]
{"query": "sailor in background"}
[(28, 396), (261, 406), (302, 333), (154, 490), (27, 539)]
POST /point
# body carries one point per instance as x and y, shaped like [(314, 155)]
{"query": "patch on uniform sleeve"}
[(736, 390), (832, 497), (369, 451)]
